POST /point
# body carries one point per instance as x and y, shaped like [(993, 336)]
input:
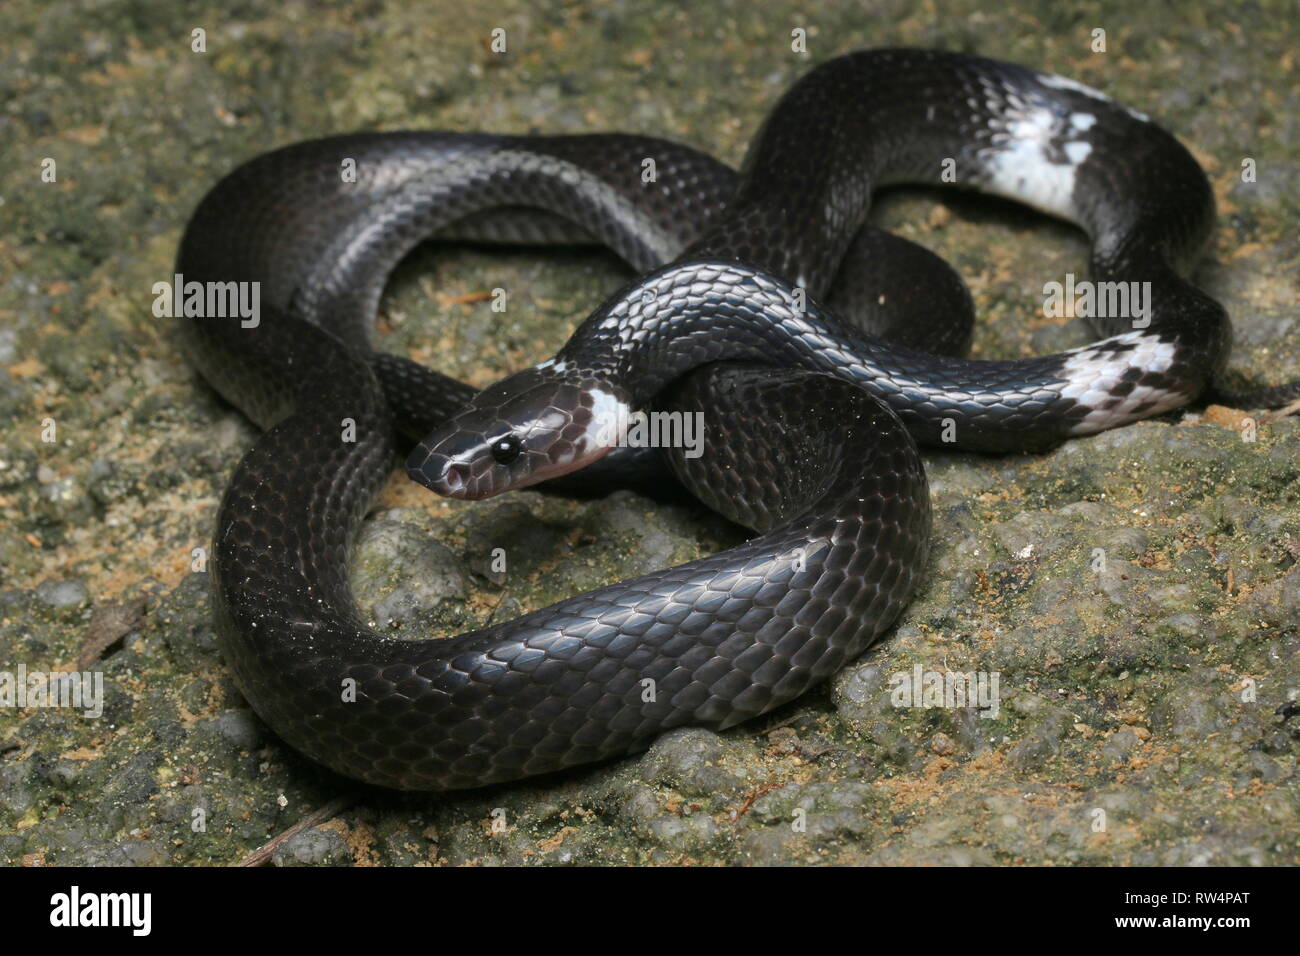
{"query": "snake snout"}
[(454, 464), (440, 473)]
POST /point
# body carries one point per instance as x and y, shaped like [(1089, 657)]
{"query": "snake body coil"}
[(816, 454)]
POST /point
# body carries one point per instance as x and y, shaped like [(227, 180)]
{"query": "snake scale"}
[(820, 350)]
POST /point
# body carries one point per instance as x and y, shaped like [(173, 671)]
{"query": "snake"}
[(819, 350)]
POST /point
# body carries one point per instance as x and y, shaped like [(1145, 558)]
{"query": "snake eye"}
[(505, 450)]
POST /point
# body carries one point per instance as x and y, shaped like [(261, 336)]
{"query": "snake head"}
[(537, 424)]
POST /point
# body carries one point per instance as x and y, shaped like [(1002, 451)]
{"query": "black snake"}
[(773, 267)]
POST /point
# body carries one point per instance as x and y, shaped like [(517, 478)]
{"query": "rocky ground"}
[(1136, 594)]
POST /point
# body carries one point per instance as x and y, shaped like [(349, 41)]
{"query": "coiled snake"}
[(810, 409)]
